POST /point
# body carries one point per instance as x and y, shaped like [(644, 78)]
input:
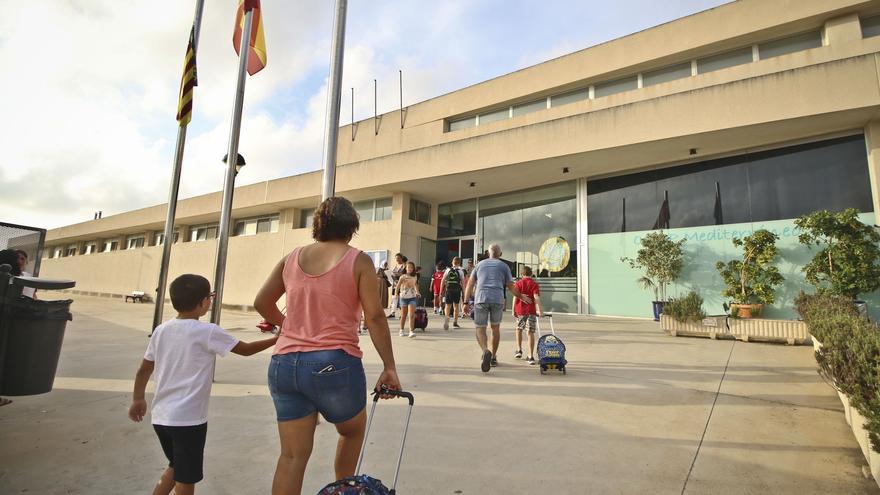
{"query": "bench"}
[(136, 296)]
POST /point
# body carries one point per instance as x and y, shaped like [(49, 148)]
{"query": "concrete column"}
[(399, 215), (843, 30), (582, 249), (184, 233), (872, 142)]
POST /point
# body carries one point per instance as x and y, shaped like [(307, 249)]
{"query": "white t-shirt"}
[(184, 351)]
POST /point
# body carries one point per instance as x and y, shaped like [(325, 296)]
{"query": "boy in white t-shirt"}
[(182, 353)]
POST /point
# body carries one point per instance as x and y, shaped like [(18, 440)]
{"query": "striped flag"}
[(257, 44), (187, 82)]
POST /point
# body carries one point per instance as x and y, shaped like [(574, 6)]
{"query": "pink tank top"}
[(323, 311)]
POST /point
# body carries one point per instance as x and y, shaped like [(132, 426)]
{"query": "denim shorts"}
[(408, 301), (485, 313), (299, 387)]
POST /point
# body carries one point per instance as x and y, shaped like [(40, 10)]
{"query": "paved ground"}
[(628, 418)]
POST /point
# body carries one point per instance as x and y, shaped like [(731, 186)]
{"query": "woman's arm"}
[(266, 302), (374, 317)]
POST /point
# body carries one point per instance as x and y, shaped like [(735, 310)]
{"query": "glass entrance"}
[(462, 247)]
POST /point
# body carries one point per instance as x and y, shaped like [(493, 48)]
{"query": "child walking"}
[(181, 352), (408, 289), (525, 313)]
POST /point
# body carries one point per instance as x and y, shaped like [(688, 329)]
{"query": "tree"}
[(660, 260), (753, 278), (848, 263)]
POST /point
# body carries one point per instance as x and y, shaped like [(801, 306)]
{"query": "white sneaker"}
[(412, 335), (402, 334)]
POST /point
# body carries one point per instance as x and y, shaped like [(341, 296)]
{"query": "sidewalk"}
[(627, 418)]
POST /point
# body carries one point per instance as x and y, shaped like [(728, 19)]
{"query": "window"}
[(70, 251), (790, 45), (666, 74), (134, 242), (378, 257), (203, 232), (457, 219), (462, 124), (870, 26), (419, 211), (572, 97), (530, 107), (618, 86), (159, 238), (495, 116), (253, 226), (383, 209), (771, 185), (90, 248), (724, 60), (373, 209), (364, 210), (306, 217), (110, 246), (57, 253)]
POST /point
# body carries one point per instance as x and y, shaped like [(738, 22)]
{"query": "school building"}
[(740, 117)]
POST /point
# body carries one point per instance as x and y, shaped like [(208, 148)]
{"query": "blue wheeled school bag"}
[(551, 350), (361, 484)]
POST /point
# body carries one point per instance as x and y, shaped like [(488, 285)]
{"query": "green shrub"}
[(818, 311), (850, 353), (685, 309)]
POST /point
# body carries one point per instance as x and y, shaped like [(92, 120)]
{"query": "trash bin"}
[(31, 334)]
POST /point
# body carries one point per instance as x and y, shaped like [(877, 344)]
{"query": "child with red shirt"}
[(436, 280), (525, 314)]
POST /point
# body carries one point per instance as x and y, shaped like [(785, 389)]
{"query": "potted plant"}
[(848, 263), (687, 309), (751, 281), (660, 260)]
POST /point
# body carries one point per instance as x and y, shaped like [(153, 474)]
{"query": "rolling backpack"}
[(420, 321), (362, 484), (551, 350)]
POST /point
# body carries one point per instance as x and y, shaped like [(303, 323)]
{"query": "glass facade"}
[(790, 45), (772, 185), (724, 60)]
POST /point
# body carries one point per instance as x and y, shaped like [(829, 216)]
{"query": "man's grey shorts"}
[(488, 312)]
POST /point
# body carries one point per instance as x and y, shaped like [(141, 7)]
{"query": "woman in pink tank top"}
[(316, 366)]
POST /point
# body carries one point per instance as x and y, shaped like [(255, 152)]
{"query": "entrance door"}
[(462, 247), (427, 250)]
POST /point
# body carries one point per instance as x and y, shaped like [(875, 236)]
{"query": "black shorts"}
[(452, 297), (184, 446)]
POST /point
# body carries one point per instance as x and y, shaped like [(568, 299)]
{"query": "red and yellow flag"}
[(257, 44), (187, 82)]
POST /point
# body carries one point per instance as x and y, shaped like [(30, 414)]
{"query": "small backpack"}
[(453, 280)]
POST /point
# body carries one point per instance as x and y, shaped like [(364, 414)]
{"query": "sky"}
[(88, 88)]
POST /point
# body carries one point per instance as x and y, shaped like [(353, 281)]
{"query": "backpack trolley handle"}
[(376, 395), (552, 330)]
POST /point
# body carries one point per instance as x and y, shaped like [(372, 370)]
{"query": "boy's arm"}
[(251, 348), (538, 304), (138, 408)]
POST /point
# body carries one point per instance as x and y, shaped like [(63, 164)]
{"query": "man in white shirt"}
[(181, 352)]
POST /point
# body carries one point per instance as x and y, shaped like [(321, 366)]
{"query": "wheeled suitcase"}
[(551, 349), (367, 485), (421, 317)]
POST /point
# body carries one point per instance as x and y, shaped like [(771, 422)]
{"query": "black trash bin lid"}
[(43, 283)]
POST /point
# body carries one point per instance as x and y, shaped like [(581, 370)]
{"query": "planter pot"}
[(657, 306), (746, 310), (790, 332), (712, 327)]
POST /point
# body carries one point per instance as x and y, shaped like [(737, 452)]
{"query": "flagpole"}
[(231, 162), (175, 187), (331, 137)]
